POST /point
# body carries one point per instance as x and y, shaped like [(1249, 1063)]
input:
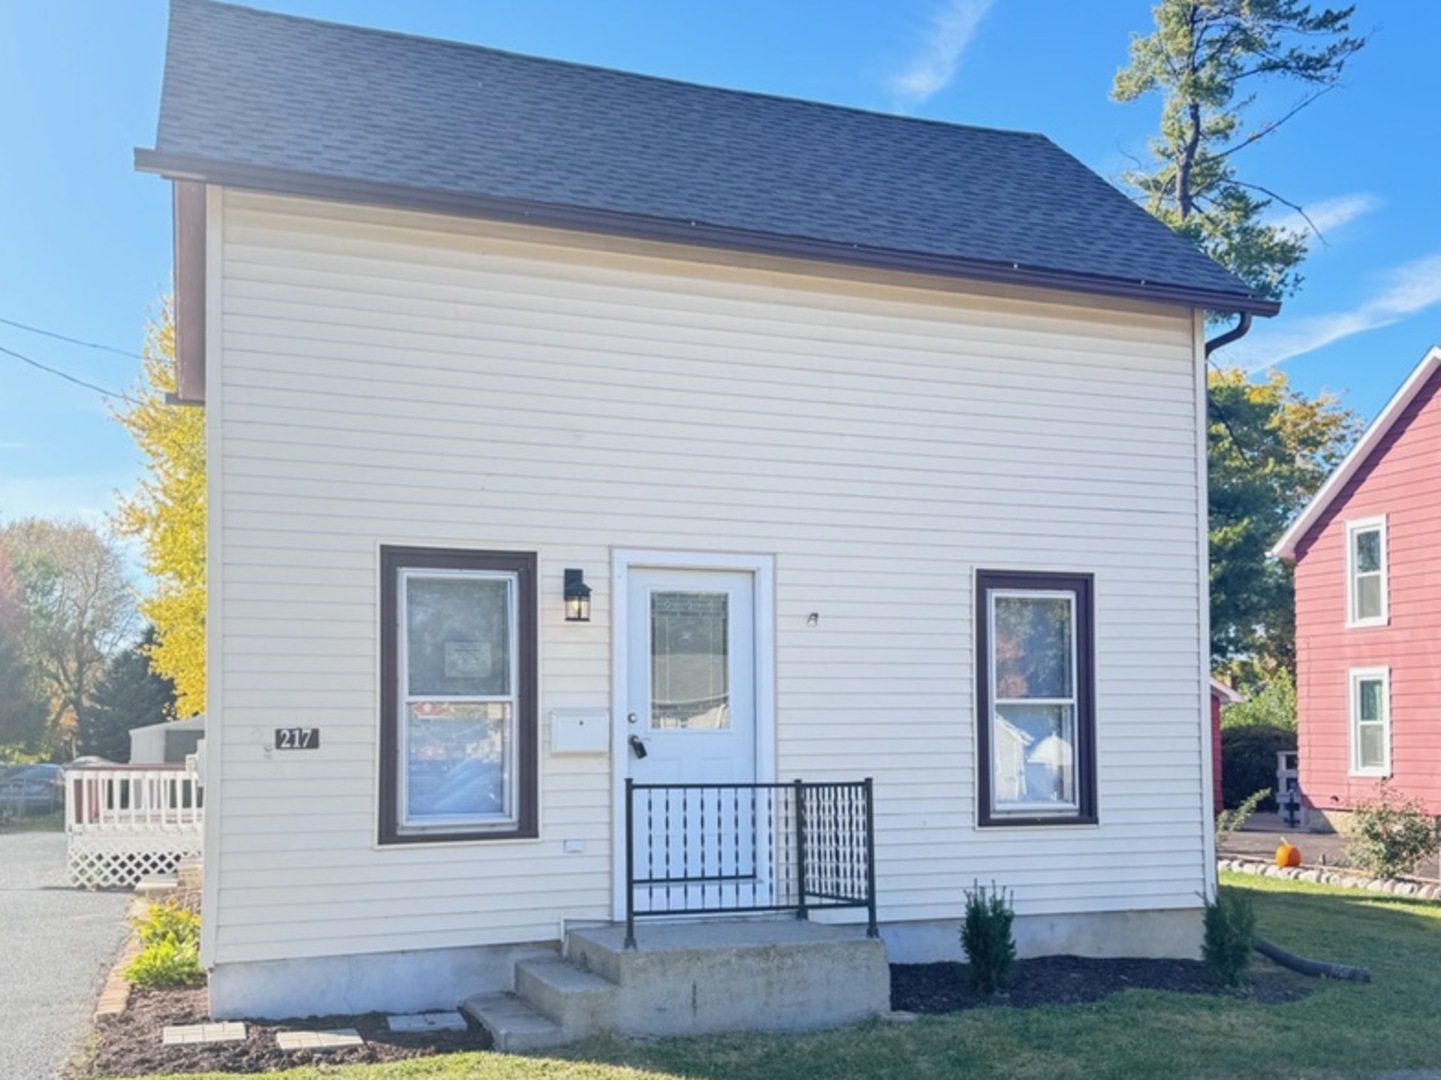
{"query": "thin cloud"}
[(1402, 292), (1328, 214), (953, 27)]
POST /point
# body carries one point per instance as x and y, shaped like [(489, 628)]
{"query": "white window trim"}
[(1372, 524), (1355, 676), (1022, 808), (445, 823)]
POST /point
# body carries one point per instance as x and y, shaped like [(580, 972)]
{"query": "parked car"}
[(32, 789)]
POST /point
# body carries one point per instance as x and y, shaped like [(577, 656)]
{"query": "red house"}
[(1368, 609)]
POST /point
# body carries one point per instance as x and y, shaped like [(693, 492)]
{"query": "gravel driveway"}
[(56, 945)]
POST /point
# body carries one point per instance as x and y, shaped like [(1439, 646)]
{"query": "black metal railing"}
[(699, 849)]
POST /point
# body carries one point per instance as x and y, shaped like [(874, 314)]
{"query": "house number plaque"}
[(297, 738)]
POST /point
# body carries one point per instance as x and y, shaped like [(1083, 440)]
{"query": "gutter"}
[(641, 227), (1236, 333)]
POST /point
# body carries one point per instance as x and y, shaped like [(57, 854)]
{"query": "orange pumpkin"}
[(1287, 854)]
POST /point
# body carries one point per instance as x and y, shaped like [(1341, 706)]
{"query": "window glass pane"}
[(1370, 703), (1033, 751), (1368, 551), (457, 636), (689, 649), (1371, 746), (457, 759), (1368, 597), (1032, 645)]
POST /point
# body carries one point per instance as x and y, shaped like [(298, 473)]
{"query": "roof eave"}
[(1285, 547), (584, 219)]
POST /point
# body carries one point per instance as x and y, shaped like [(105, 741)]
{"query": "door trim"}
[(762, 567)]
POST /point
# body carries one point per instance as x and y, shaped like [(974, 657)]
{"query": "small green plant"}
[(1390, 835), (986, 937), (1228, 821), (1230, 925), (170, 935)]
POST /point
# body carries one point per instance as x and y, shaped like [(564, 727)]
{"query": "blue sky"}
[(85, 241)]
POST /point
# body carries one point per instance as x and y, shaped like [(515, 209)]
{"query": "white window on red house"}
[(1370, 710), (1366, 572)]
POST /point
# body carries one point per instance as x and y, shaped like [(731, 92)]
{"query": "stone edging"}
[(115, 995), (1320, 875)]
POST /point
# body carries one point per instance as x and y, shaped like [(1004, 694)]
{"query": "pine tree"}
[(129, 694), (1207, 58)]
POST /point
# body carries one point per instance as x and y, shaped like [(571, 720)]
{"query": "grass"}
[(1340, 1030), (18, 823)]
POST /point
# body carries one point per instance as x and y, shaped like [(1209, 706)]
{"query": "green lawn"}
[(1340, 1030), (34, 823)]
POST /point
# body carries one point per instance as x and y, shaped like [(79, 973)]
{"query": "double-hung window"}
[(458, 685), (1366, 572), (1035, 698), (1370, 711)]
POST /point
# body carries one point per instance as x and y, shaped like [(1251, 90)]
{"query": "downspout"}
[(1236, 333)]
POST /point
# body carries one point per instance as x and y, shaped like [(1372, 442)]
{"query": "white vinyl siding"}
[(401, 379), (1370, 713), (1366, 600)]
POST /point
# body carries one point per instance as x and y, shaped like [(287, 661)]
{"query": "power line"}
[(63, 374), (70, 340)]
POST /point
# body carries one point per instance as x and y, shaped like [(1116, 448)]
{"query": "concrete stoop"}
[(691, 978)]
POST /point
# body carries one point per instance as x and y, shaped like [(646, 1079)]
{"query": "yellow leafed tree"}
[(167, 513)]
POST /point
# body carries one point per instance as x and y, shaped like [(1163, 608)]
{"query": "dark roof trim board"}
[(1296, 533), (633, 226), (288, 105)]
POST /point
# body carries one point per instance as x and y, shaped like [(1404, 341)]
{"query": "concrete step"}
[(581, 1002), (693, 978), (514, 1025)]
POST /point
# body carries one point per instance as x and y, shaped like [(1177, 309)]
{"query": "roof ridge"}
[(579, 65)]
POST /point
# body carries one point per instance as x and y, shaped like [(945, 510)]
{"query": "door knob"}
[(637, 747)]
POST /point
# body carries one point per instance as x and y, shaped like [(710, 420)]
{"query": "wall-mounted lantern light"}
[(577, 597)]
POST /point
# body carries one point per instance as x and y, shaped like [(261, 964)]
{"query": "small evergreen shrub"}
[(986, 937), (1230, 925), (1390, 835), (170, 935), (1248, 761)]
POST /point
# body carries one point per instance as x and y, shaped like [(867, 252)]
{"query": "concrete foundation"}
[(1169, 934), (398, 982)]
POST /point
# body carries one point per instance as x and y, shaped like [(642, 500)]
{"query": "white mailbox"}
[(579, 731)]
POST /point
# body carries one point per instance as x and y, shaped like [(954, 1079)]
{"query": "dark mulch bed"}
[(1069, 980), (130, 1044)]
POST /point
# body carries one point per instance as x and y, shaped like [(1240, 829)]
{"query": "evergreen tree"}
[(130, 694), (1207, 58)]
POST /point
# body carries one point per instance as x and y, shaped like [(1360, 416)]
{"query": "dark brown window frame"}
[(1083, 585), (527, 772)]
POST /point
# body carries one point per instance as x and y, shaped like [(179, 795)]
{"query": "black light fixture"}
[(577, 597)]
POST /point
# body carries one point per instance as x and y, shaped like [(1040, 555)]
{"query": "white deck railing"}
[(126, 822)]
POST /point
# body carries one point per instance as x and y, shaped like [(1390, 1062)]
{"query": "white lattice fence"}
[(123, 824), (103, 862)]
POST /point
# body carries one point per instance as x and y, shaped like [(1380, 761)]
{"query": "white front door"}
[(689, 714), (690, 685)]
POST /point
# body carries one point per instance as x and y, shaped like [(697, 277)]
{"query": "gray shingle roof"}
[(291, 104)]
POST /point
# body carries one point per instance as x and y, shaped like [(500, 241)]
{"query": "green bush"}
[(170, 935), (1230, 924), (1228, 821), (1269, 703), (1248, 761), (986, 937), (1390, 835)]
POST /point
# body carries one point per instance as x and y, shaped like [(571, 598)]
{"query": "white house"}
[(877, 442)]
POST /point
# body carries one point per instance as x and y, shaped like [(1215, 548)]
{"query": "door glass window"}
[(689, 661)]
